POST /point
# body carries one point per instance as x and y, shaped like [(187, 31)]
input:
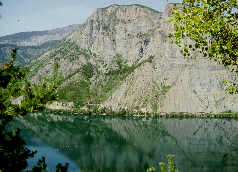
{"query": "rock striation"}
[(162, 80)]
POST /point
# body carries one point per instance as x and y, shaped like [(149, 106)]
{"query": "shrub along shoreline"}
[(125, 112)]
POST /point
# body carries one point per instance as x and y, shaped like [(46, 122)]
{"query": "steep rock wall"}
[(167, 83)]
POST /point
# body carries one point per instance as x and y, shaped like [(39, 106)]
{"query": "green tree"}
[(210, 27), (170, 167), (119, 61), (87, 70), (13, 84)]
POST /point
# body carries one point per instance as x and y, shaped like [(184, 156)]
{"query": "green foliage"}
[(209, 27), (151, 169), (41, 166), (119, 61), (13, 153), (171, 166), (67, 50), (37, 95), (231, 87), (86, 91), (24, 53), (162, 167), (78, 92), (95, 87), (87, 70), (113, 78), (70, 50)]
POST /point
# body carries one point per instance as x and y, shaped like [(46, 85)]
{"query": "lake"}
[(120, 143)]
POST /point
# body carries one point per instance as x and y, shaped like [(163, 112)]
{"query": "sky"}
[(36, 15)]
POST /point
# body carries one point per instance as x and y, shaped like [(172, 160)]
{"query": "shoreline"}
[(127, 113)]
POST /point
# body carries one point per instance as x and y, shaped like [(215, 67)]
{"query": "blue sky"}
[(36, 15)]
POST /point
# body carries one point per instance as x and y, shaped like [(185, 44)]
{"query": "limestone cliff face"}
[(126, 30), (171, 83), (166, 83)]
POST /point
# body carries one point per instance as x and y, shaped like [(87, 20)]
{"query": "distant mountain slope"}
[(31, 44), (37, 37), (121, 57)]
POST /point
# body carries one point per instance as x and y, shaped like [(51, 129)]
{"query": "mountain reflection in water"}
[(110, 143)]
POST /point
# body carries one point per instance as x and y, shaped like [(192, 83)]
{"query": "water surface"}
[(106, 143)]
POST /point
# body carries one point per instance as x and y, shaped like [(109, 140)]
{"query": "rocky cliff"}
[(133, 65), (32, 44)]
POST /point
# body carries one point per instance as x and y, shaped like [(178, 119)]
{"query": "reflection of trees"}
[(127, 144)]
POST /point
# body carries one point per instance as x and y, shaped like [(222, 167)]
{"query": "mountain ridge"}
[(138, 5), (25, 38), (31, 44), (133, 65)]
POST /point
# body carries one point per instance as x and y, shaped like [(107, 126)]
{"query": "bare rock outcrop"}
[(167, 83)]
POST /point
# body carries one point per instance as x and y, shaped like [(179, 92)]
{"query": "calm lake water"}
[(106, 143)]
